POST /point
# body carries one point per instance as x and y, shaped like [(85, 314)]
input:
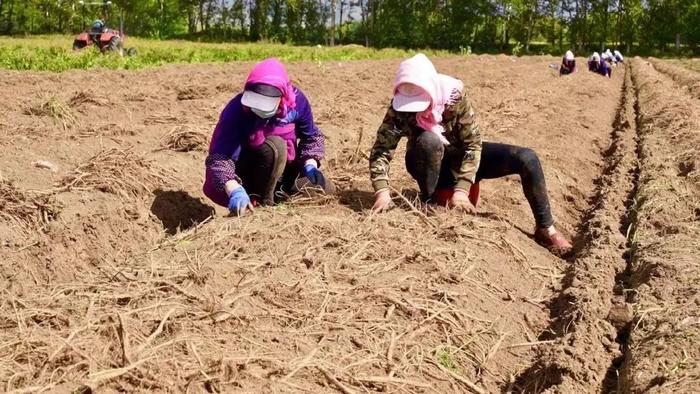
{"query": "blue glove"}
[(314, 175), (239, 201)]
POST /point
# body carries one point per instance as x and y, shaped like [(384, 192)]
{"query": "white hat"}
[(569, 55), (595, 57), (261, 97), (411, 98)]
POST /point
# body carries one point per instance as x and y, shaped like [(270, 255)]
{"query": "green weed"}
[(56, 109), (444, 358)]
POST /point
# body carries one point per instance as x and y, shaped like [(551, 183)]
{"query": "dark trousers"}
[(266, 174), (431, 167)]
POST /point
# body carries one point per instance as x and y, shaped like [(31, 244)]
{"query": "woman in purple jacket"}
[(599, 66), (266, 137)]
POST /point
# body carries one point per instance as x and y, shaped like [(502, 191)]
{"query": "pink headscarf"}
[(419, 71), (272, 72)]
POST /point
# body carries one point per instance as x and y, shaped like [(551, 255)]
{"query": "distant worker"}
[(265, 139), (618, 56), (445, 153), (98, 26), (608, 57), (96, 29), (597, 65), (568, 64)]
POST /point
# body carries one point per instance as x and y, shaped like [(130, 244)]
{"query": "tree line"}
[(517, 26)]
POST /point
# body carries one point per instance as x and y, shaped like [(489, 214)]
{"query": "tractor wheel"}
[(115, 44), (130, 51)]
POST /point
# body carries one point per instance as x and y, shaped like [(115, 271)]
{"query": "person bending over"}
[(265, 139), (445, 153), (599, 66), (568, 64)]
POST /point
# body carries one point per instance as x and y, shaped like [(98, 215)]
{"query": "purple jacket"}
[(602, 68), (234, 131)]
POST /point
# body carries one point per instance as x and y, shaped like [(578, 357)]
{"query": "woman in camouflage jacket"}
[(445, 154)]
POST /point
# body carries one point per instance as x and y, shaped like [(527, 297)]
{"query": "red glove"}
[(474, 194), (443, 196)]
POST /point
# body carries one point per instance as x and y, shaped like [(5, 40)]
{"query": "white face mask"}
[(263, 114)]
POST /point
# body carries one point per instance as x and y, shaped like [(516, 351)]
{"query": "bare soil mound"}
[(686, 79)]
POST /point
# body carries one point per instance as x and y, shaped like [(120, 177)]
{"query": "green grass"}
[(54, 53), (444, 358)]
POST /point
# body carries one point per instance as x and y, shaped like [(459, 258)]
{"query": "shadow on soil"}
[(357, 200), (179, 211)]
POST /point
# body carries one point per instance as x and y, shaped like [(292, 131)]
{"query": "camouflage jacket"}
[(461, 130)]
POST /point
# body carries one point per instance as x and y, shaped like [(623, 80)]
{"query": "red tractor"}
[(102, 37)]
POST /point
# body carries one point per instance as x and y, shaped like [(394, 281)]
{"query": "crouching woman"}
[(445, 154), (266, 145)]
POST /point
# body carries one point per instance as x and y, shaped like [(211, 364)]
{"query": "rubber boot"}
[(279, 149)]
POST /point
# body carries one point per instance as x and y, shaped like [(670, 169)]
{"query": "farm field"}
[(119, 275), (682, 74)]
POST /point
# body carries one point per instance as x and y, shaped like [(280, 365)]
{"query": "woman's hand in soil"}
[(460, 201), (239, 202), (382, 201)]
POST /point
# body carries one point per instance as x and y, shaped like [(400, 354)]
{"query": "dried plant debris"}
[(56, 109), (185, 139), (118, 171), (24, 209)]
